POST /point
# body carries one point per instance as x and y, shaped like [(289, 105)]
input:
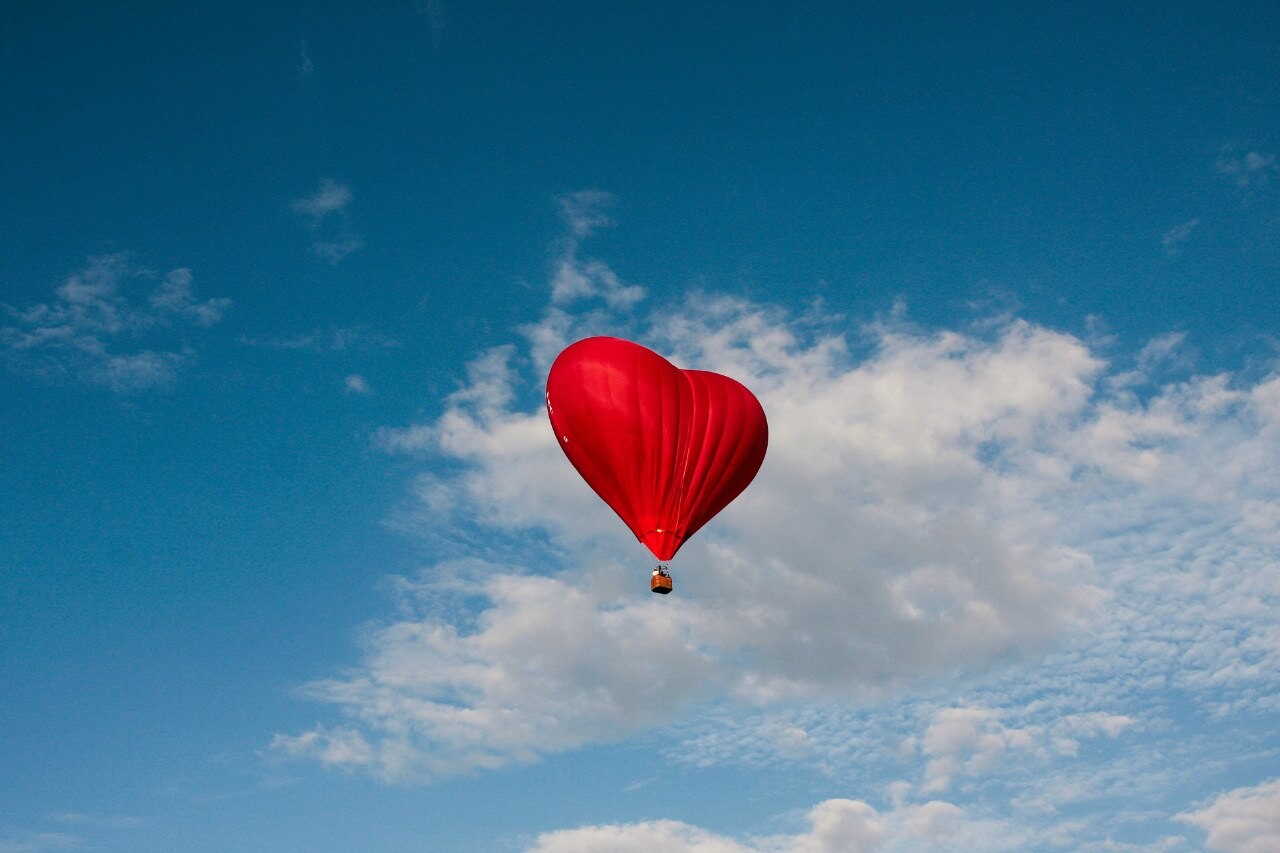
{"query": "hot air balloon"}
[(665, 448)]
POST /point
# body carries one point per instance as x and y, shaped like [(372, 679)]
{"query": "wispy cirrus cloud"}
[(99, 821), (40, 842), (436, 16), (99, 329), (36, 841), (1177, 235), (330, 339), (330, 198), (305, 68)]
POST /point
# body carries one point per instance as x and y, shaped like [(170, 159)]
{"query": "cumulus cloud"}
[(904, 525), (1246, 820), (967, 740), (971, 741), (911, 576), (1076, 540), (357, 384), (834, 826), (97, 329), (843, 826), (1163, 496), (519, 683), (574, 278)]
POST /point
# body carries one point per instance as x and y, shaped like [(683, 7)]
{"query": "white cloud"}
[(920, 475), (334, 251), (330, 198), (326, 212), (523, 682), (834, 826), (575, 279), (586, 211), (994, 510), (967, 740), (1250, 170), (357, 384), (972, 741), (666, 835), (135, 371), (174, 296), (305, 68), (342, 747), (96, 330), (1246, 820), (36, 842), (1177, 235), (99, 821), (1167, 512)]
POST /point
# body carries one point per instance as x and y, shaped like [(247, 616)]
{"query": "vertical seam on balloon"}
[(688, 494), (712, 439)]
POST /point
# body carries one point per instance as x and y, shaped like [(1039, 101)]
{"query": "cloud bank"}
[(973, 558), (834, 826)]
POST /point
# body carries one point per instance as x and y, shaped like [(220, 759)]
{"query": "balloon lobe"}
[(665, 448)]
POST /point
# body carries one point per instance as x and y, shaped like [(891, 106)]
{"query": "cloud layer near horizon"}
[(1245, 820)]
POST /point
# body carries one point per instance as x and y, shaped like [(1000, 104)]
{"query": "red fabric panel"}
[(666, 448)]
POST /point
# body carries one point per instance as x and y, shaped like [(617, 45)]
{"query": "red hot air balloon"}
[(666, 448)]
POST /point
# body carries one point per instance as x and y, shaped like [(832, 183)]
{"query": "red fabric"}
[(666, 448)]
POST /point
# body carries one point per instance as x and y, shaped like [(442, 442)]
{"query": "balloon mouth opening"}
[(662, 543)]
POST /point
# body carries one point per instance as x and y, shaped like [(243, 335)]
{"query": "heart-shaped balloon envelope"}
[(666, 448)]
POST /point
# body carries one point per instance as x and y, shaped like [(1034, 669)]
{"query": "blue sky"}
[(289, 559)]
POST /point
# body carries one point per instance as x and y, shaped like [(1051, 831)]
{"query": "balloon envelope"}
[(666, 448)]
